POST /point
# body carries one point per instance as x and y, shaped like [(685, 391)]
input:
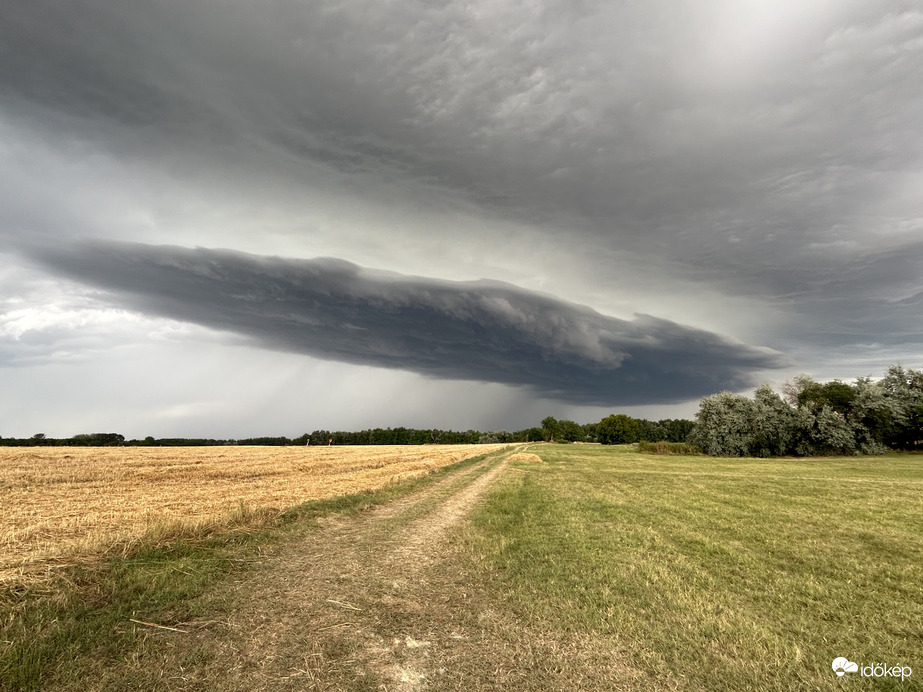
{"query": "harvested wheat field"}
[(61, 504)]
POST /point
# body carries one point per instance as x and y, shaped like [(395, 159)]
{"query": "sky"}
[(231, 219)]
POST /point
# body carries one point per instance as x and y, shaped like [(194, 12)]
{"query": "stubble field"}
[(62, 504)]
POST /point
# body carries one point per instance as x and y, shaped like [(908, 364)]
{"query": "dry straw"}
[(63, 504), (525, 456)]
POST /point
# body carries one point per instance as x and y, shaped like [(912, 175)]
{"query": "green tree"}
[(837, 395), (677, 429), (650, 431), (772, 425), (830, 433), (617, 429), (590, 432), (903, 392), (871, 417), (549, 428), (569, 431), (724, 425)]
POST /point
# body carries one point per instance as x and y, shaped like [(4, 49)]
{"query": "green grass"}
[(55, 632), (690, 572), (668, 448), (718, 574)]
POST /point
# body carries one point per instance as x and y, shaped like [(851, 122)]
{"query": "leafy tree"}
[(724, 425), (771, 425), (903, 391), (815, 417), (617, 429), (96, 440), (792, 389), (323, 437), (549, 428), (831, 434), (871, 417), (837, 395), (528, 435), (569, 431), (677, 430), (650, 431), (590, 431)]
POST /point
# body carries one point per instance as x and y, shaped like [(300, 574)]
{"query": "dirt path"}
[(357, 604)]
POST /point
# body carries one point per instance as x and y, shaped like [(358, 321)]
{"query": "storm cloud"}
[(473, 330), (748, 168)]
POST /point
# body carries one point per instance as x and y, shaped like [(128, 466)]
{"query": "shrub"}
[(667, 448)]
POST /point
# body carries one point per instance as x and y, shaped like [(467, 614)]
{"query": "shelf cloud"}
[(483, 330)]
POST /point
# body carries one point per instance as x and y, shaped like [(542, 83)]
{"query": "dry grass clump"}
[(525, 456), (60, 503)]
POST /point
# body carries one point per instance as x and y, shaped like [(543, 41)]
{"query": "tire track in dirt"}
[(418, 542), (333, 609)]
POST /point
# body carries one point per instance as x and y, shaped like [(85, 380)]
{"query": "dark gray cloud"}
[(773, 126), (749, 168), (478, 330)]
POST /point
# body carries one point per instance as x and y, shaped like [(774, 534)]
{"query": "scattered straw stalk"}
[(59, 503)]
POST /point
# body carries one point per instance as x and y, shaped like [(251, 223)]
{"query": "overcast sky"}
[(233, 218)]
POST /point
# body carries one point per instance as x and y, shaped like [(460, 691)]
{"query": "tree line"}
[(812, 418), (808, 418), (614, 429)]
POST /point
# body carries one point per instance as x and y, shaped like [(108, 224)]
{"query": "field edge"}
[(104, 606)]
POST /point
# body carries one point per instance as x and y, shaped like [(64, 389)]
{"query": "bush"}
[(667, 448)]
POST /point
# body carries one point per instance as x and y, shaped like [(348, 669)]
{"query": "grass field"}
[(580, 567), (64, 503), (717, 574)]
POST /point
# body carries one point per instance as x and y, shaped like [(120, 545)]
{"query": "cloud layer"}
[(476, 330), (748, 168)]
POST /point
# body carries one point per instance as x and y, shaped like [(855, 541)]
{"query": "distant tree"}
[(650, 431), (677, 429), (837, 395), (829, 433), (792, 389), (903, 393), (590, 432), (528, 435), (772, 424), (103, 439), (569, 431), (871, 417), (617, 429), (320, 437), (549, 428)]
